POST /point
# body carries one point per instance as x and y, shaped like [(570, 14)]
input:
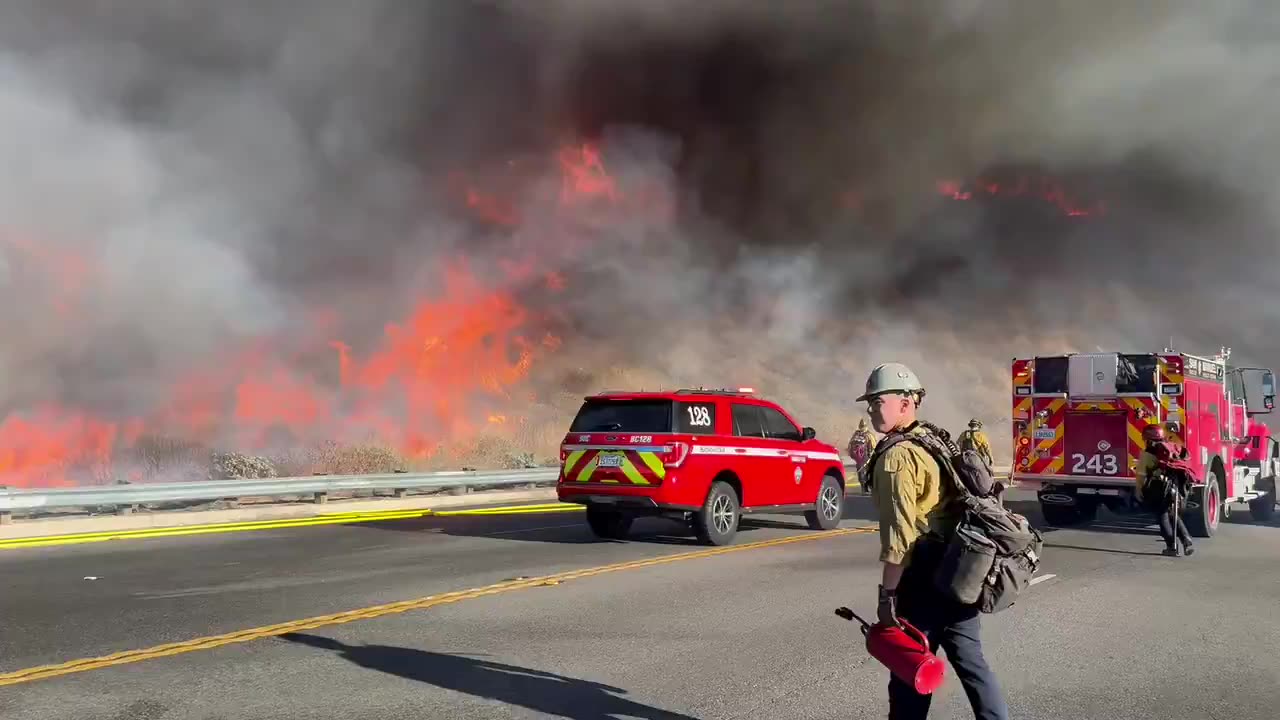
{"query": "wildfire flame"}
[(453, 365), (1044, 188)]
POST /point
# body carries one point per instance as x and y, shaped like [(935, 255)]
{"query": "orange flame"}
[(453, 366), (1046, 189)]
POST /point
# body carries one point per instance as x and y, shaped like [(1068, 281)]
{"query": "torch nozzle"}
[(850, 615)]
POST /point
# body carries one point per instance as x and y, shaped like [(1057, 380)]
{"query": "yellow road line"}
[(44, 672), (514, 510), (334, 519)]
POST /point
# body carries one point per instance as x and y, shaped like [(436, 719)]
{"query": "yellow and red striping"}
[(635, 467)]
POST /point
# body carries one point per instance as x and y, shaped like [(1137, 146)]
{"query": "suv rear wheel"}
[(717, 522), (828, 508), (608, 524)]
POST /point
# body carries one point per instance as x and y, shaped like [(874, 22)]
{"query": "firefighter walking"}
[(1162, 489), (976, 440), (861, 445), (918, 510)]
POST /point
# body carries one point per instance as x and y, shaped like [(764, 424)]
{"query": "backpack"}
[(858, 446), (1173, 476), (969, 440), (994, 552)]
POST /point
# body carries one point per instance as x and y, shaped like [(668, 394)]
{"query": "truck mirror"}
[(808, 433)]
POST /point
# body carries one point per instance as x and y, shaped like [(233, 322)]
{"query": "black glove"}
[(887, 607)]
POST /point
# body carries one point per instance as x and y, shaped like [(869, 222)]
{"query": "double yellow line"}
[(309, 521), (213, 641), (513, 510), (329, 519)]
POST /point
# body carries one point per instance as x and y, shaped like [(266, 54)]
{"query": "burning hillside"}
[(396, 234)]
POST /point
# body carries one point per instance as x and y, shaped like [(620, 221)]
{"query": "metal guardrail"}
[(318, 486)]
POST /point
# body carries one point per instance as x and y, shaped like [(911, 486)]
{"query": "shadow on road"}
[(570, 528), (1098, 549), (536, 690)]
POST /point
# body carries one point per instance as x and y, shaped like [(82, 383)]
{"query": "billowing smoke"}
[(186, 181)]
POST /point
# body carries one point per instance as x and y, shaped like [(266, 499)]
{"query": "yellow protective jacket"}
[(977, 440), (1147, 464), (912, 498)]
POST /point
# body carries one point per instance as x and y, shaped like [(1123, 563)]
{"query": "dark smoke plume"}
[(231, 166)]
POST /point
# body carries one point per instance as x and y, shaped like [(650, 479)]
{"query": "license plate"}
[(610, 461)]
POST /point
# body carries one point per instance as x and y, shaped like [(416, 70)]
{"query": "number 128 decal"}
[(699, 416), (1094, 464)]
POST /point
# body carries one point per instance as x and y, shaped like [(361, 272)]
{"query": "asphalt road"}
[(1115, 630)]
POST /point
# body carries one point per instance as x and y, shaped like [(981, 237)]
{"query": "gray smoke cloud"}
[(197, 176)]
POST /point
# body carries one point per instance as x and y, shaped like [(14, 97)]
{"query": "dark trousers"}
[(957, 630), (1171, 522)]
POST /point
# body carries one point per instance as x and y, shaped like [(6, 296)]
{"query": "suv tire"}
[(828, 508), (717, 522)]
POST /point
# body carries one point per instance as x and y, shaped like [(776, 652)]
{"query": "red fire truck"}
[(1078, 420)]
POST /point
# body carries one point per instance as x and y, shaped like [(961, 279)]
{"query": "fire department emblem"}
[(1104, 446), (799, 473)]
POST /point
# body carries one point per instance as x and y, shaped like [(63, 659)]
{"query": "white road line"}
[(1040, 579)]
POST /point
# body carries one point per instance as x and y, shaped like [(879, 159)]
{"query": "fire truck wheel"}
[(717, 522), (1264, 508), (1202, 520), (608, 524), (829, 507)]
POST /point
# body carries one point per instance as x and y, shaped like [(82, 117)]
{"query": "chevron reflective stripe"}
[(740, 451), (1048, 456), (1171, 374), (633, 467)]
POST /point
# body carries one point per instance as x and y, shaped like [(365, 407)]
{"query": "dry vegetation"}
[(818, 390)]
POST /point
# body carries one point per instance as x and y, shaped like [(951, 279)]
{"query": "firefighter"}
[(861, 445), (976, 440), (918, 511), (1156, 491)]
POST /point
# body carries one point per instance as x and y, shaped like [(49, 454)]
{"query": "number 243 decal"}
[(699, 416), (1095, 464)]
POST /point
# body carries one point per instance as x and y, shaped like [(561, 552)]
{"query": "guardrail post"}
[(6, 518), (126, 509), (320, 498), (459, 490), (400, 492)]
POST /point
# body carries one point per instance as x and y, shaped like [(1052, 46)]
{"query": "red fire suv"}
[(704, 457)]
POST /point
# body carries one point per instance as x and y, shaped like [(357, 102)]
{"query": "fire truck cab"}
[(1078, 420)]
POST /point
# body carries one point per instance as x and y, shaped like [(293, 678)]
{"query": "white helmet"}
[(892, 378)]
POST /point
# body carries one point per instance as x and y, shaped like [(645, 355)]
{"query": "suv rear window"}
[(629, 416)]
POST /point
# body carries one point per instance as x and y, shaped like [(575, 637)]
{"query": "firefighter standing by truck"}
[(916, 506), (861, 445), (976, 440), (1162, 488)]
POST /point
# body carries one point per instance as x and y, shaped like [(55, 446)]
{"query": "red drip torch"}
[(904, 650)]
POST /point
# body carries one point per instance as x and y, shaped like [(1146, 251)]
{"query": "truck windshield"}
[(1136, 374), (629, 416), (1050, 375)]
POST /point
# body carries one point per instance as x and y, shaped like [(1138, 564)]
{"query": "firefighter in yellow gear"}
[(861, 446), (918, 507), (976, 440), (1172, 528)]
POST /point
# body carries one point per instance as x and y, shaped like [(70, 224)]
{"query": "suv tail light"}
[(674, 454)]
